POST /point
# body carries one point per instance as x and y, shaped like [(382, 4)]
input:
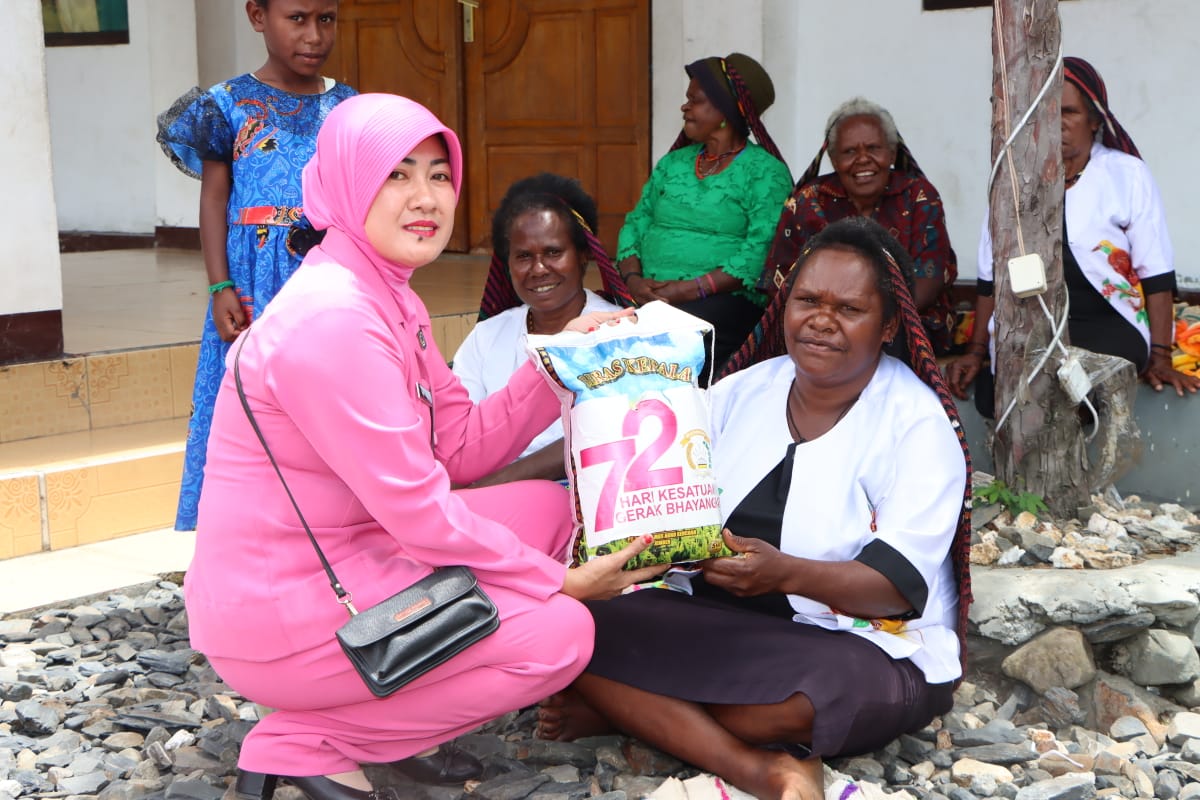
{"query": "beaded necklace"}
[(715, 163)]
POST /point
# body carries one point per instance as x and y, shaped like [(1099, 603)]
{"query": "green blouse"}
[(683, 227)]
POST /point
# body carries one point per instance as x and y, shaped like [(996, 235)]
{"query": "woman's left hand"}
[(1161, 373), (676, 292), (758, 568), (586, 323)]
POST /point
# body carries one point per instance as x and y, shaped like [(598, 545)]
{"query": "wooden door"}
[(560, 86), (546, 85), (406, 47)]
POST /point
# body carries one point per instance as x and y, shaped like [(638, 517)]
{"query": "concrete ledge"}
[(1169, 469)]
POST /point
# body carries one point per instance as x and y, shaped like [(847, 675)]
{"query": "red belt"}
[(267, 215)]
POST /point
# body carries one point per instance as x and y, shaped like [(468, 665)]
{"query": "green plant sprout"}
[(999, 492)]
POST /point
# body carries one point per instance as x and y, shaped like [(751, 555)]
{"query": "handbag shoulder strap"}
[(344, 597)]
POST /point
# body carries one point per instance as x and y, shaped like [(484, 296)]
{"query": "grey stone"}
[(16, 691), (1167, 785), (553, 753), (1073, 786), (122, 740), (636, 785), (130, 789), (146, 720), (1114, 629), (509, 787), (863, 768), (186, 789), (562, 773), (1126, 728), (37, 719), (1156, 657), (997, 731), (1060, 707), (563, 791), (1190, 751), (1036, 543), (1058, 657), (192, 758), (1003, 753), (83, 784), (174, 663), (1188, 694), (1185, 726), (16, 626)]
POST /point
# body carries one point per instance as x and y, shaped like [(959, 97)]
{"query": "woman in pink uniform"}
[(370, 428)]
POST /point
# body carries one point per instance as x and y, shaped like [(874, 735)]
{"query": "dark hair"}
[(894, 277), (874, 244), (544, 192)]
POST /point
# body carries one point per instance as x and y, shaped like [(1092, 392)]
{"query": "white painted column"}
[(30, 272)]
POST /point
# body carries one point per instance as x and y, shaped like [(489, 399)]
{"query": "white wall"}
[(30, 272), (229, 45), (172, 60), (108, 170), (932, 70), (683, 31)]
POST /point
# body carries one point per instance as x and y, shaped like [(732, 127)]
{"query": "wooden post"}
[(1040, 448)]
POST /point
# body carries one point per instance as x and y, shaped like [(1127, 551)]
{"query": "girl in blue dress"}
[(247, 139)]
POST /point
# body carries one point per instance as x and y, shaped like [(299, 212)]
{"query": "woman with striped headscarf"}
[(543, 236), (700, 231), (1117, 258), (874, 175), (844, 479)]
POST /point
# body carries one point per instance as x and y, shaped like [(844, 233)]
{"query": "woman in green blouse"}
[(699, 235)]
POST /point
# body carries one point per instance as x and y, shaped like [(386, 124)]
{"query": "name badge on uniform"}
[(426, 397)]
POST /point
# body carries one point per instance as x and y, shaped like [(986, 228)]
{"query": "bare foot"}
[(780, 776), (565, 717), (798, 780)]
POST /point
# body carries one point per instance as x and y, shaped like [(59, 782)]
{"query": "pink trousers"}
[(327, 722)]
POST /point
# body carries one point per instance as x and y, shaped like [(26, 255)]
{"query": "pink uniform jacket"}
[(339, 371)]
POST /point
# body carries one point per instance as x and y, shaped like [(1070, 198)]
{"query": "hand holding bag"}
[(414, 630)]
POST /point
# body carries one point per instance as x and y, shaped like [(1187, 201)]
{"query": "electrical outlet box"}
[(1027, 275), (1074, 379)]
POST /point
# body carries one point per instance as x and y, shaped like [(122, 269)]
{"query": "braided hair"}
[(893, 275), (1087, 80), (560, 195), (749, 116)]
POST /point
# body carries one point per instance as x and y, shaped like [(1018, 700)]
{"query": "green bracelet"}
[(216, 287)]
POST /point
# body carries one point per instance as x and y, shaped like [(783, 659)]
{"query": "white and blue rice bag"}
[(638, 449)]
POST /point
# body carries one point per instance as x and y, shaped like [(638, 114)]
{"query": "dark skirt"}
[(705, 651)]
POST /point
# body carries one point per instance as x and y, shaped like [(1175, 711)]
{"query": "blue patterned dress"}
[(266, 135)]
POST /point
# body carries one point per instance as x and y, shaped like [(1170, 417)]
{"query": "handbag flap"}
[(409, 606)]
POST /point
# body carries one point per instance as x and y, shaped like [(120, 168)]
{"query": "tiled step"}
[(91, 486), (91, 447), (92, 392)]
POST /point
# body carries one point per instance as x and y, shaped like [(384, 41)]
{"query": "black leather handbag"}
[(414, 630)]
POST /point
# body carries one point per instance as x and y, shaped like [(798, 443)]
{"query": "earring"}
[(722, 123)]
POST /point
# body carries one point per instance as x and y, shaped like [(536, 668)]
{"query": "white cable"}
[(1055, 340), (1025, 119), (1005, 149)]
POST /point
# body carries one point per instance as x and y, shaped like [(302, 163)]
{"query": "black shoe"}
[(448, 765), (258, 786)]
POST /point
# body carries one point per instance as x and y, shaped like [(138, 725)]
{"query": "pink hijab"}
[(358, 146)]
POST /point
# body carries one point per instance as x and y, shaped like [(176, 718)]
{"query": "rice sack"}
[(638, 450)]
